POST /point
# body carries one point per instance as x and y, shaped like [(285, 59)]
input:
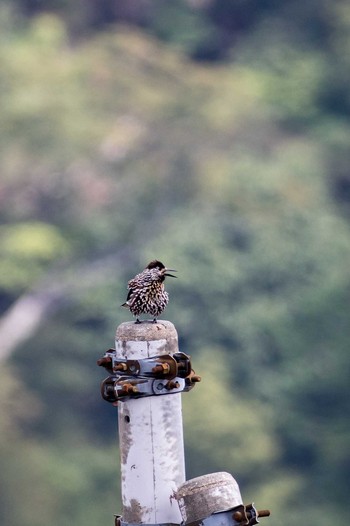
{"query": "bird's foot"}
[(137, 320), (154, 320)]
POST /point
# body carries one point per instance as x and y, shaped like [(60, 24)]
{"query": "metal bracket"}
[(157, 375), (239, 516), (248, 515), (164, 366), (118, 521)]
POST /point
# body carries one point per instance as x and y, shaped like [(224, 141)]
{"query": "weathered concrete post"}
[(150, 433), (147, 376)]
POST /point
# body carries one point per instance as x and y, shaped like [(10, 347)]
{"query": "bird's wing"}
[(132, 285), (126, 304), (130, 293)]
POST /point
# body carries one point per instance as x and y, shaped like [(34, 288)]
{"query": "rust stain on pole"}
[(135, 512)]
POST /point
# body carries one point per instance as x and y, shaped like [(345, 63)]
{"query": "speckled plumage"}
[(146, 291)]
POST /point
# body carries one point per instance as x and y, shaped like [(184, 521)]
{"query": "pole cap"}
[(200, 497), (145, 339)]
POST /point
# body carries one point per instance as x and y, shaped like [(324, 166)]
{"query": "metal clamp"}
[(165, 366), (118, 521), (157, 375), (248, 515), (240, 516)]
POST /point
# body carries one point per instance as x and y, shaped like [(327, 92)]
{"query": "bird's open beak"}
[(170, 270)]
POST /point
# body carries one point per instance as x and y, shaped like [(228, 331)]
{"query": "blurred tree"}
[(116, 150)]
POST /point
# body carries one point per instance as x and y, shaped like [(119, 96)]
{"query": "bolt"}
[(264, 513), (128, 388), (105, 360), (237, 516), (172, 385), (120, 367), (161, 368), (195, 378)]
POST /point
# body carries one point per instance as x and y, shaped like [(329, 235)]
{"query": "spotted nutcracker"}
[(146, 291)]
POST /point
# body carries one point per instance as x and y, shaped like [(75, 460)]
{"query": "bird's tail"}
[(125, 305)]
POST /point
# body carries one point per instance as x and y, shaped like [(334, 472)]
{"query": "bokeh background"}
[(213, 135)]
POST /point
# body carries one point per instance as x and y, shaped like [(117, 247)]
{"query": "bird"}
[(146, 291)]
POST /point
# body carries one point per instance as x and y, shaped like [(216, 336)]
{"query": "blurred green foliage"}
[(216, 138)]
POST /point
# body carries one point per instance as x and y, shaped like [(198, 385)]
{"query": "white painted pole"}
[(150, 433)]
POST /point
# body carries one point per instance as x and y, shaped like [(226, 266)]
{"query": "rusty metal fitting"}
[(104, 361), (264, 513), (253, 514), (120, 367), (193, 378), (162, 368), (129, 388), (172, 385), (107, 390), (152, 376), (240, 515)]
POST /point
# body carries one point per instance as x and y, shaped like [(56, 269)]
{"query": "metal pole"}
[(150, 433)]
